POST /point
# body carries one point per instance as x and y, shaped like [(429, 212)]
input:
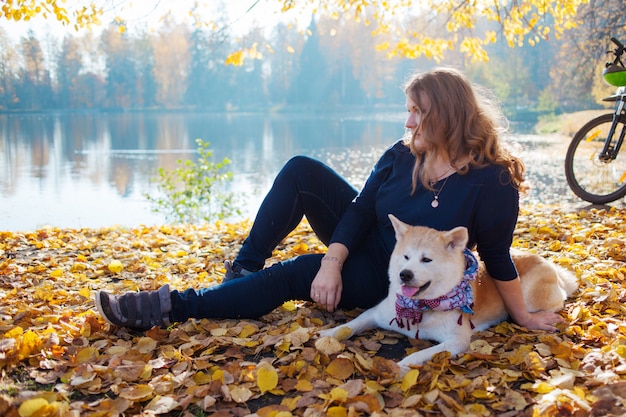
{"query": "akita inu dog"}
[(439, 291)]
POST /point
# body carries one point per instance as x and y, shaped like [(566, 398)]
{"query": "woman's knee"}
[(301, 170), (301, 163)]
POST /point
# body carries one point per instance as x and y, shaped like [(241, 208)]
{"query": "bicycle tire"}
[(589, 178)]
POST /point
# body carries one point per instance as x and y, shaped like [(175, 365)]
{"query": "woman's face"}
[(414, 121)]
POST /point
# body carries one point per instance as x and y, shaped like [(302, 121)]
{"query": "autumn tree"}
[(519, 22), (200, 73), (171, 59), (344, 69), (77, 15), (283, 59), (449, 24), (147, 86), (69, 65), (208, 50), (581, 58), (8, 71), (34, 87), (309, 85), (250, 83), (33, 58), (349, 47), (178, 64), (120, 68), (90, 87)]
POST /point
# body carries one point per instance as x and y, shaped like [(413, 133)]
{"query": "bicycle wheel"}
[(591, 179)]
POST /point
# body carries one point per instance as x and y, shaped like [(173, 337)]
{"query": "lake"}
[(75, 170)]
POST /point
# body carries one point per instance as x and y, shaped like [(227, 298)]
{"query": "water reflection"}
[(92, 169)]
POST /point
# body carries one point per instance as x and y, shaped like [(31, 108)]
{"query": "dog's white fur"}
[(436, 263)]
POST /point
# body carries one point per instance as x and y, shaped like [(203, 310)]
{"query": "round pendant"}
[(434, 203)]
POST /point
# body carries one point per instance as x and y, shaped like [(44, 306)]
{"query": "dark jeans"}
[(304, 187)]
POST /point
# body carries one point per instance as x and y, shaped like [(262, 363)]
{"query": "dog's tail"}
[(567, 281)]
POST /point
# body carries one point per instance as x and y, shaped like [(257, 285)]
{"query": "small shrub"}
[(194, 192)]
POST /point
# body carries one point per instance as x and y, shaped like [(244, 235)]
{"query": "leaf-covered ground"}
[(58, 357)]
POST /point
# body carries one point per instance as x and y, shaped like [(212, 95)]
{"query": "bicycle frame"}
[(609, 152)]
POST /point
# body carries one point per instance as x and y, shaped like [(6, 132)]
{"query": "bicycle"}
[(594, 168)]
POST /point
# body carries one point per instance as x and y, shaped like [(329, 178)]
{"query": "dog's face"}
[(426, 263)]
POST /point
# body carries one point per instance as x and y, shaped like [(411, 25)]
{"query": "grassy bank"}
[(566, 124)]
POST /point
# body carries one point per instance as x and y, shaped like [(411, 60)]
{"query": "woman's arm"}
[(496, 221), (511, 293), (327, 285), (358, 219), (360, 216)]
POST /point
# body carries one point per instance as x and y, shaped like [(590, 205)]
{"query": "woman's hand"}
[(511, 293), (541, 320), (327, 286)]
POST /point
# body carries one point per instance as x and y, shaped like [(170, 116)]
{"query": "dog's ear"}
[(456, 237), (399, 227)]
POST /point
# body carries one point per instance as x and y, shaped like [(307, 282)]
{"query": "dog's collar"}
[(460, 297)]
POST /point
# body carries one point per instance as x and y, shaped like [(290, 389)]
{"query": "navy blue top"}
[(481, 200)]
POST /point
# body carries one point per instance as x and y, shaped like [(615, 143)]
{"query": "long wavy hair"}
[(463, 122)]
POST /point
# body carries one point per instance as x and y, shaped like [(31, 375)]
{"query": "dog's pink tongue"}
[(409, 291)]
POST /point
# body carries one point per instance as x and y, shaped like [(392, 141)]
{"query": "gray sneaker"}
[(136, 310), (234, 271)]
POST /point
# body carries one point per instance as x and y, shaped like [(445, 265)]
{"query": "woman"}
[(451, 170)]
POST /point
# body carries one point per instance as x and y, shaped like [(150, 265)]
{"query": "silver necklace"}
[(435, 202)]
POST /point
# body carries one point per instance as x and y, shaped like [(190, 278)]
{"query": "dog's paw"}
[(325, 333), (414, 359), (340, 333), (404, 368)]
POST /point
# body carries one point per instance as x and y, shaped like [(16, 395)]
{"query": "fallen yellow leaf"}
[(32, 406), (409, 380), (115, 267), (266, 377)]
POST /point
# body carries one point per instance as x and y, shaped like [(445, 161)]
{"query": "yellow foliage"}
[(28, 344), (236, 59), (79, 17), (338, 395), (39, 407), (409, 380), (340, 368), (266, 377), (520, 21), (51, 335), (337, 411), (137, 393), (115, 267)]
